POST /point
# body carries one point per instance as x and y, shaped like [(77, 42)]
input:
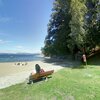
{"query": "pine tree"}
[(78, 33), (58, 29)]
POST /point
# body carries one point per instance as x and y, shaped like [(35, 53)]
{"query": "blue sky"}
[(23, 25)]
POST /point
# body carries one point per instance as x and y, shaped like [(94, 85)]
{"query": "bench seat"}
[(41, 74)]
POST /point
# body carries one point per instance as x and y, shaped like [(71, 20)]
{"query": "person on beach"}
[(38, 71), (37, 68), (84, 60)]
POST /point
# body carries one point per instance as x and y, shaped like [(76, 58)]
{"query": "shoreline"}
[(11, 74), (8, 68)]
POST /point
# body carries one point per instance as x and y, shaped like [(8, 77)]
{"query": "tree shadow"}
[(40, 80), (68, 62), (94, 60)]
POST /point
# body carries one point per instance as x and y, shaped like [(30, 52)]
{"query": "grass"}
[(66, 84)]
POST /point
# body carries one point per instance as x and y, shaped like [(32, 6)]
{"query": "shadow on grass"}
[(40, 80), (69, 63), (94, 60), (79, 67)]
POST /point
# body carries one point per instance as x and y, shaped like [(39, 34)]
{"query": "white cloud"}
[(22, 49), (16, 49), (19, 47), (4, 41), (7, 51)]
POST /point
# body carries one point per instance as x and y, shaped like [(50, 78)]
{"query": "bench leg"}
[(30, 81), (46, 78)]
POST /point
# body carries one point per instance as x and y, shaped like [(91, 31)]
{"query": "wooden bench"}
[(40, 75)]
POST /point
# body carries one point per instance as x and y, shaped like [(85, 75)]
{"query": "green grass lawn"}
[(66, 84)]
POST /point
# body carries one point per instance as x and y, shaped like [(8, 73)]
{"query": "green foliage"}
[(58, 29), (78, 33), (93, 23), (73, 23)]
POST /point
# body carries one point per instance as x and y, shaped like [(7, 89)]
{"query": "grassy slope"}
[(75, 84)]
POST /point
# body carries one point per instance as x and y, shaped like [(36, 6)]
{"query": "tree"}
[(93, 23), (78, 33), (58, 29), (74, 26)]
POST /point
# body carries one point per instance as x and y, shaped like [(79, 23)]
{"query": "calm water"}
[(19, 57)]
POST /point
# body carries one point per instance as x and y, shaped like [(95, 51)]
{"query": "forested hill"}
[(74, 26)]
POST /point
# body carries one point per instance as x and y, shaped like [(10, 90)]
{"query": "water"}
[(19, 57)]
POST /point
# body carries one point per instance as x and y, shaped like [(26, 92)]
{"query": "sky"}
[(23, 25)]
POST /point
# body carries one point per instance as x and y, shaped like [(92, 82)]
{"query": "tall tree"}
[(58, 29), (93, 22), (78, 33), (74, 24)]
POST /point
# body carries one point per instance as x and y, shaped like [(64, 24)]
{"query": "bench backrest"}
[(42, 74)]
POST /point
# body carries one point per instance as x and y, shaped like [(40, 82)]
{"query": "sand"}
[(11, 73), (18, 72)]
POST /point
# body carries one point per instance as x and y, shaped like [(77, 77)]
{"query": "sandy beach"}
[(11, 68), (13, 73), (17, 72)]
